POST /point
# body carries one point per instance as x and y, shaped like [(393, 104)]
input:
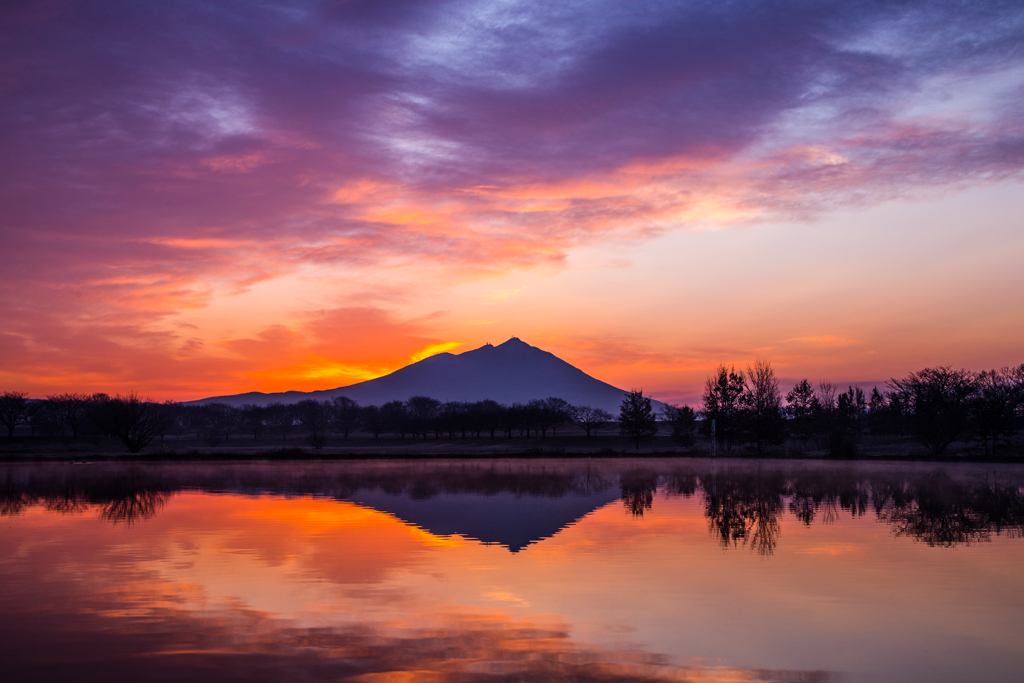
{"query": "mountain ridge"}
[(511, 372)]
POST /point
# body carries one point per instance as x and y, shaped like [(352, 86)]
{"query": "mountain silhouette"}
[(508, 373)]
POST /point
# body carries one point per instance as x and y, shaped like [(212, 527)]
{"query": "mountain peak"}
[(512, 372)]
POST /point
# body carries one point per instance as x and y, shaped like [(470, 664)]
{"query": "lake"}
[(512, 570)]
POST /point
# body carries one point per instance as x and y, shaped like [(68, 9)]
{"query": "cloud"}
[(158, 157)]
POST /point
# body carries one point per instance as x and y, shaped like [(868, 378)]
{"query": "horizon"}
[(201, 200), (785, 383)]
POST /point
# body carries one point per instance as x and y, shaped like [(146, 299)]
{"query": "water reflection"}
[(292, 571), (516, 504)]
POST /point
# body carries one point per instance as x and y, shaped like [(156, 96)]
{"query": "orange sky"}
[(316, 199)]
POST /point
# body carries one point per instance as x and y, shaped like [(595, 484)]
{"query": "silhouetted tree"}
[(423, 412), (315, 417), (762, 406), (590, 419), (538, 417), (133, 420), (558, 412), (939, 400), (41, 418), (372, 420), (683, 421), (995, 404), (218, 421), (801, 407), (281, 418), (345, 414), (510, 418), (489, 414), (70, 409), (13, 407), (253, 419), (839, 417), (722, 393), (636, 417), (453, 417), (396, 418)]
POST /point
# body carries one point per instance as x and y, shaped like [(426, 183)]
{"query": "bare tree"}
[(345, 413), (590, 420), (396, 418), (762, 406), (559, 412), (71, 410), (133, 420), (489, 415), (372, 420), (13, 410), (315, 417), (423, 410), (254, 418), (1000, 395), (939, 400), (281, 418)]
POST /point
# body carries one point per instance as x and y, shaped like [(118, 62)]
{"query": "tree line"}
[(137, 422), (936, 407)]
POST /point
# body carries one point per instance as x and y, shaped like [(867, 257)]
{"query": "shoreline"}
[(300, 454)]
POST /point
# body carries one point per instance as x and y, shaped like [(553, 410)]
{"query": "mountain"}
[(508, 373)]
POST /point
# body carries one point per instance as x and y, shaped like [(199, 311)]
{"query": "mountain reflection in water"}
[(532, 570), (517, 505)]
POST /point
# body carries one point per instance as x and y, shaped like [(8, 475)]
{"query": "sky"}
[(203, 198)]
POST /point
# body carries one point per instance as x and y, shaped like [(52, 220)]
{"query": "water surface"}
[(513, 570)]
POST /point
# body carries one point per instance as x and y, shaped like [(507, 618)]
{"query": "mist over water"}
[(578, 569)]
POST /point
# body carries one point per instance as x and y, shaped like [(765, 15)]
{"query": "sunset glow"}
[(200, 199)]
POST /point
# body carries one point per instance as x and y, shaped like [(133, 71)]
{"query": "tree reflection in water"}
[(743, 506), (638, 486), (742, 501)]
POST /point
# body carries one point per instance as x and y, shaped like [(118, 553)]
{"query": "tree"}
[(939, 402), (995, 405), (134, 421), (216, 422), (396, 418), (589, 419), (558, 412), (636, 417), (722, 393), (423, 411), (41, 418), (489, 415), (71, 410), (281, 418), (13, 410), (762, 406), (683, 421), (346, 415), (453, 416), (510, 418), (253, 418), (315, 417), (372, 420), (801, 406), (838, 417)]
